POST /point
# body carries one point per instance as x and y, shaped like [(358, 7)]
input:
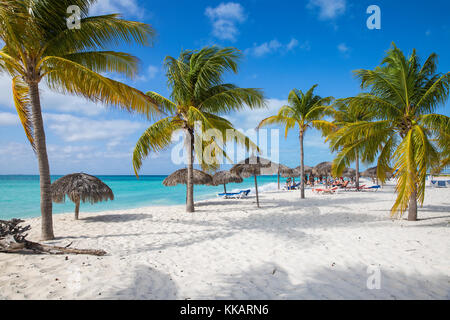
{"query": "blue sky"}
[(286, 45)]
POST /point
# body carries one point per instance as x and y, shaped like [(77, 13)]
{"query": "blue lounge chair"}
[(294, 187), (441, 184), (233, 195), (373, 187)]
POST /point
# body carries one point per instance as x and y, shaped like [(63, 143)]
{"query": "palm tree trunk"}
[(302, 164), (224, 188), (190, 172), (278, 179), (357, 172), (44, 169), (77, 209), (256, 189), (412, 207)]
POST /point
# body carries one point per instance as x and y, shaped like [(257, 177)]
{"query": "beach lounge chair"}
[(294, 187), (324, 190), (441, 184), (235, 195), (376, 188)]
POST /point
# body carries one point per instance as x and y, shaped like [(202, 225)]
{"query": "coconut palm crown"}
[(198, 98), (404, 94), (345, 114), (306, 110), (39, 47)]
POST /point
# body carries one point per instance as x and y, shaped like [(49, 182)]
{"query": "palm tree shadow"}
[(117, 217), (290, 226), (270, 281), (148, 283)]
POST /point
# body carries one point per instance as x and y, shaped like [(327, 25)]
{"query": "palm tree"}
[(198, 96), (404, 96), (305, 110), (39, 47), (345, 114)]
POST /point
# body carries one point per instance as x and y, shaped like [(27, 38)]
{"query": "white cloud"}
[(343, 48), (291, 45), (274, 46), (152, 72), (328, 9), (130, 7), (51, 100), (71, 128), (8, 119), (225, 19), (249, 119), (14, 150)]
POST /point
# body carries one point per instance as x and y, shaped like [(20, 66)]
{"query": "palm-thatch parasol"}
[(323, 169), (349, 173), (180, 177), (308, 170), (253, 166), (80, 187), (285, 172), (370, 173), (224, 177)]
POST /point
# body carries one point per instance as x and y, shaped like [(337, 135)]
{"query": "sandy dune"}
[(318, 248)]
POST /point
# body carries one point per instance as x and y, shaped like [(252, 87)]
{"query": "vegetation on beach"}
[(345, 114), (393, 122), (198, 96), (39, 47), (403, 95), (306, 110)]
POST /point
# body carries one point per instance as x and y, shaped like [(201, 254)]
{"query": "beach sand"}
[(324, 247)]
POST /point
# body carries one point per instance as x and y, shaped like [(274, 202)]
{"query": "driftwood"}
[(12, 240)]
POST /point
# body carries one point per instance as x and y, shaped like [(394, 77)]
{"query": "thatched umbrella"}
[(308, 171), (224, 177), (80, 187), (285, 172), (180, 177), (349, 173), (370, 173), (322, 169), (253, 166)]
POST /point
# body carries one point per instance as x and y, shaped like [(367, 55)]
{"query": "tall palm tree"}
[(404, 96), (39, 47), (198, 96), (307, 111), (345, 114)]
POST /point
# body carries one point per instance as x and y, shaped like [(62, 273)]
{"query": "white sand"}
[(318, 248)]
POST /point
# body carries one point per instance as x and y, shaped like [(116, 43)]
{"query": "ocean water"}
[(20, 194)]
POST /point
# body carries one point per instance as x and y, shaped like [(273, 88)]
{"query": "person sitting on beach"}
[(288, 183)]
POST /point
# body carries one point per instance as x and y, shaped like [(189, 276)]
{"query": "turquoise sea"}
[(20, 195)]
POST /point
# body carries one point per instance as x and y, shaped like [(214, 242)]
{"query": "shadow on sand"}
[(270, 281)]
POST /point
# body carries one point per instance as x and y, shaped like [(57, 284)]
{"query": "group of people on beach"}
[(311, 181)]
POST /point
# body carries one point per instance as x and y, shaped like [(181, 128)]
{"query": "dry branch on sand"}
[(12, 240)]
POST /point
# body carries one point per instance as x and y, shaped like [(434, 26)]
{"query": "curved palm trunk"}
[(357, 172), (302, 164), (190, 172), (44, 169)]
